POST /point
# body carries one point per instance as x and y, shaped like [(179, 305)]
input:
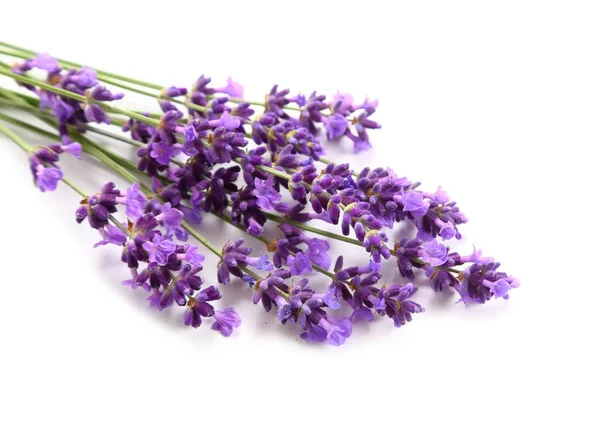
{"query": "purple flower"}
[(162, 152), (111, 235), (63, 111), (299, 264), (317, 252), (261, 262), (233, 89), (408, 256), (159, 249), (135, 202), (265, 193), (362, 313), (229, 122), (193, 256), (46, 179), (225, 321), (46, 62), (189, 133), (396, 304), (173, 91), (335, 126), (446, 230), (342, 104), (236, 256), (100, 93), (93, 113), (139, 130), (415, 204), (328, 328), (361, 145), (481, 281), (73, 148), (170, 217), (434, 253), (85, 78), (198, 306)]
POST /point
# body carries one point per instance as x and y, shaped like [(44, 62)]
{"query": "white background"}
[(499, 102)]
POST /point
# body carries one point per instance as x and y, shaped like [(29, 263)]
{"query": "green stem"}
[(328, 234), (114, 136), (16, 139), (83, 194)]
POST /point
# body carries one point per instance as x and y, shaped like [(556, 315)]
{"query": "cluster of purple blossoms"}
[(477, 283), (299, 304), (43, 164), (235, 258), (167, 270), (69, 111), (358, 286), (288, 250), (346, 116)]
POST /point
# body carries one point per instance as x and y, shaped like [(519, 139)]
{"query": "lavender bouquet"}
[(253, 164)]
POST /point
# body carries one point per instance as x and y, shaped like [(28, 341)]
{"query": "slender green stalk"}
[(15, 138), (83, 194), (302, 226), (115, 136), (30, 127)]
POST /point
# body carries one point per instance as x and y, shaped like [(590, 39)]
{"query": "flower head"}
[(159, 249), (225, 321)]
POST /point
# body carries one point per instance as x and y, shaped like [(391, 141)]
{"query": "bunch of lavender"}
[(252, 163)]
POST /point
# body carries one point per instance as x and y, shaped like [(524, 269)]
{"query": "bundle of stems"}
[(190, 164)]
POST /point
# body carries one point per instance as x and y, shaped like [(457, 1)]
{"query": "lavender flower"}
[(43, 164), (225, 321), (235, 257), (233, 89), (170, 274), (481, 281), (159, 250), (199, 307), (266, 195), (68, 111), (299, 264)]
